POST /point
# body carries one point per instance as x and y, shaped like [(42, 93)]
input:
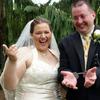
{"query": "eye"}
[(46, 32), (83, 16), (75, 18), (38, 33)]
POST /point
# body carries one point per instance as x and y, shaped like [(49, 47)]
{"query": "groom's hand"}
[(90, 77), (69, 80)]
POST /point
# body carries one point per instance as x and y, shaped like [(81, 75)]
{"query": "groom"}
[(80, 73)]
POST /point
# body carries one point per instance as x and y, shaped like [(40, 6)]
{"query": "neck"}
[(43, 53)]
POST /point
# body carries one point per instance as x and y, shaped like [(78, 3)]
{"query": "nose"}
[(43, 35), (80, 20)]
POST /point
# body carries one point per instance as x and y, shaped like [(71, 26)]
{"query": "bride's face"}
[(42, 36)]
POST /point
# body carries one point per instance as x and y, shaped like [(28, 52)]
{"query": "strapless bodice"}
[(39, 81)]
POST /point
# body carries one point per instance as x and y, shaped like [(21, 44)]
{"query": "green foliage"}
[(18, 14), (98, 16), (60, 21)]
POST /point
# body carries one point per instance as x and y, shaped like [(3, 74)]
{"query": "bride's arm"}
[(13, 73), (14, 68)]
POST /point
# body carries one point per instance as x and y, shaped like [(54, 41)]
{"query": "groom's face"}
[(83, 18)]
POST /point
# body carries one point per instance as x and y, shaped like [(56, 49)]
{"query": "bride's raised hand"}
[(11, 52)]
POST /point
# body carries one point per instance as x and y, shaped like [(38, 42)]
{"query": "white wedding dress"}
[(38, 83)]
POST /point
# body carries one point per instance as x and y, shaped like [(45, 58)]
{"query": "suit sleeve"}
[(64, 62)]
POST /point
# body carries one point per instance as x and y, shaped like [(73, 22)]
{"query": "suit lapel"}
[(79, 49), (91, 51)]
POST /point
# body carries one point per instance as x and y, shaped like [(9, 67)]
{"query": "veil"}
[(25, 39)]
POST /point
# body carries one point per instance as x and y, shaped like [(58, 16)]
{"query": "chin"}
[(43, 49), (82, 31)]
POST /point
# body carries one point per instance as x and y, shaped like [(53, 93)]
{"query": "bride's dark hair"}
[(39, 20)]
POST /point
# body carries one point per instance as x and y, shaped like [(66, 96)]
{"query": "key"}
[(77, 74)]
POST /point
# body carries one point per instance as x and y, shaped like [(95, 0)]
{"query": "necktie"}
[(86, 45)]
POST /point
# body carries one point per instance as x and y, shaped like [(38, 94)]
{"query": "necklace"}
[(43, 53)]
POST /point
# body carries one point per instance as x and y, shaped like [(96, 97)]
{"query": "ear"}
[(94, 14)]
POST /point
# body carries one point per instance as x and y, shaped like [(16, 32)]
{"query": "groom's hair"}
[(77, 3)]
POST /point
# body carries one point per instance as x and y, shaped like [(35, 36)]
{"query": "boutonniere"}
[(96, 36)]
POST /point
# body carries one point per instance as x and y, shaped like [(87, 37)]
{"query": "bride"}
[(30, 71)]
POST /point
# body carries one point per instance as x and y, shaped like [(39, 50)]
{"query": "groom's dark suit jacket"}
[(72, 59)]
